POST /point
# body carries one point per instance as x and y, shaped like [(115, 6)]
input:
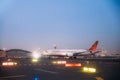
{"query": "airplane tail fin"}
[(94, 46)]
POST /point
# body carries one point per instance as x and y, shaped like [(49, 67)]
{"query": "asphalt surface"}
[(45, 69)]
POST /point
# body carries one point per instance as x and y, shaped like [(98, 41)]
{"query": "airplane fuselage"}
[(63, 52)]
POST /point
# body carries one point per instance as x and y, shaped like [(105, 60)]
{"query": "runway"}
[(45, 69)]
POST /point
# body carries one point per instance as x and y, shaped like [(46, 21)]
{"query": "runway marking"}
[(52, 72), (13, 76)]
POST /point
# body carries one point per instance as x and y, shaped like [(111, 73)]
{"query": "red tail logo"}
[(94, 46)]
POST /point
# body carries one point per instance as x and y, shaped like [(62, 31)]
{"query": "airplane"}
[(71, 53)]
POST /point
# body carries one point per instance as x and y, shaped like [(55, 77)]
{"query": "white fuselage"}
[(63, 52)]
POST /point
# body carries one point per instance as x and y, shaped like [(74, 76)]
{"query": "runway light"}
[(15, 63), (9, 63), (36, 78), (85, 69), (89, 70), (34, 60), (54, 62), (73, 65), (4, 64), (59, 62), (92, 70)]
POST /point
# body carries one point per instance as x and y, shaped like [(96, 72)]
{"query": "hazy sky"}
[(33, 24)]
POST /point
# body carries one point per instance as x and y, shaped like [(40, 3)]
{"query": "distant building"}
[(18, 53), (2, 53)]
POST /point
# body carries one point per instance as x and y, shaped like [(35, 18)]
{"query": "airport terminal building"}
[(18, 53)]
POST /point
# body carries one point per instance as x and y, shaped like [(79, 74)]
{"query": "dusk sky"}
[(71, 24)]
